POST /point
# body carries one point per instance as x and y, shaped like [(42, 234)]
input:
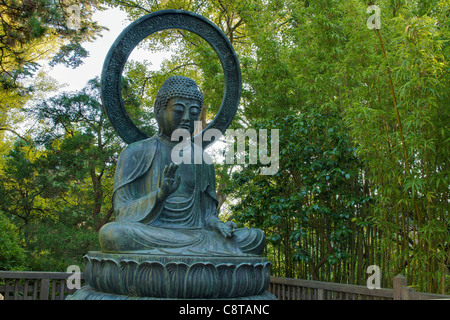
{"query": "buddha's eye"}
[(178, 109), (195, 111)]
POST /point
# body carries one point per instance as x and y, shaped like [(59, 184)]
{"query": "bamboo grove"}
[(363, 119)]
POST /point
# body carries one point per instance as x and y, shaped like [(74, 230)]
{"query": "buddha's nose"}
[(185, 117)]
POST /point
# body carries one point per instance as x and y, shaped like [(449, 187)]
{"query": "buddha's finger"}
[(169, 170), (172, 168), (223, 232), (177, 184), (228, 232)]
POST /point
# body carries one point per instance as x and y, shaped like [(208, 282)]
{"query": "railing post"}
[(401, 291), (45, 286), (320, 294)]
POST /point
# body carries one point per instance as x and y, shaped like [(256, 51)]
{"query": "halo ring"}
[(145, 26)]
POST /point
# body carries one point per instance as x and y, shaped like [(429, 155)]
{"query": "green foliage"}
[(315, 193), (64, 244), (12, 253), (71, 55), (21, 187), (32, 32), (25, 23)]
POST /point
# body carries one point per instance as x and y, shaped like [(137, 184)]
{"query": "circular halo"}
[(140, 29)]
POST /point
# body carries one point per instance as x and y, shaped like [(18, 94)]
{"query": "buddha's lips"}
[(185, 126)]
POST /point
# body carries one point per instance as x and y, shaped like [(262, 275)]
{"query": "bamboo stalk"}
[(407, 166), (394, 100)]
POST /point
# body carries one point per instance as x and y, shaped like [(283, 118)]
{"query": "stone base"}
[(88, 293), (145, 276)]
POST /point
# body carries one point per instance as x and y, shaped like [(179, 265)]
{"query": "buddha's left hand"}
[(226, 228)]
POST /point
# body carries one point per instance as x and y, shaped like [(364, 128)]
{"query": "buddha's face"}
[(180, 113)]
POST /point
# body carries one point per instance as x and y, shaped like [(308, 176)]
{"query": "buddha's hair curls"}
[(177, 87)]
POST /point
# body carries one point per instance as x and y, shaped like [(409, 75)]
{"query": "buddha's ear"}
[(157, 114)]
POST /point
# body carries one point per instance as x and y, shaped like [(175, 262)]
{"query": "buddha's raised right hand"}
[(169, 184)]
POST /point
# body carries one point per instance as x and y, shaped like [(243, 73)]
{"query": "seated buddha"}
[(162, 207)]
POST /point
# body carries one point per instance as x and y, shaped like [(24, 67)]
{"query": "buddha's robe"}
[(183, 223)]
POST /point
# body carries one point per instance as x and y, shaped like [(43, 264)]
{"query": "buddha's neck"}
[(166, 140)]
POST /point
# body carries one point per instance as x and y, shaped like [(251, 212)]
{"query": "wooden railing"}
[(26, 285), (29, 285), (297, 289)]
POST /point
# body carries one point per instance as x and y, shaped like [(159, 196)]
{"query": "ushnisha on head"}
[(177, 105)]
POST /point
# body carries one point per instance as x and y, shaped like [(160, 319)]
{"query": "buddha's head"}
[(177, 105)]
